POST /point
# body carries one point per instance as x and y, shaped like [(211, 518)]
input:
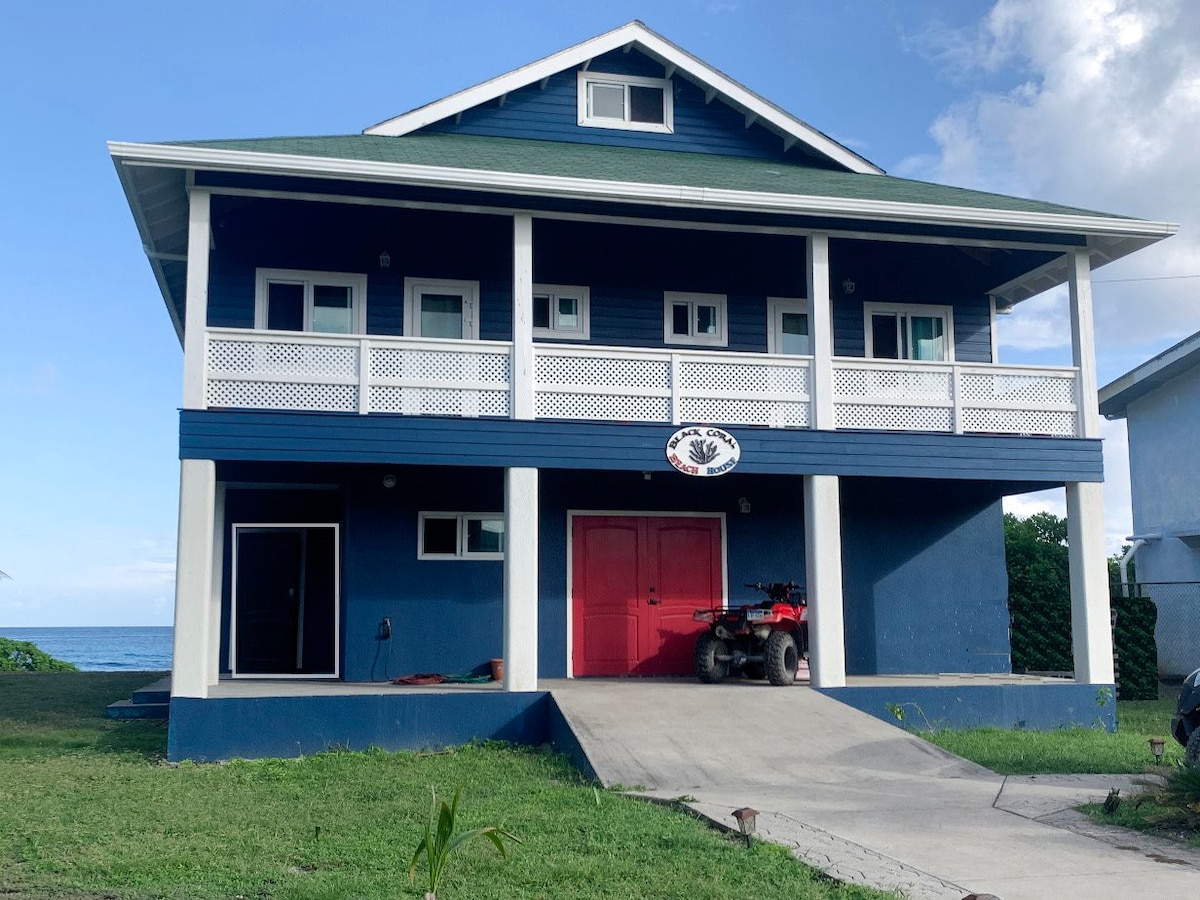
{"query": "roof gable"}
[(1116, 396), (670, 61)]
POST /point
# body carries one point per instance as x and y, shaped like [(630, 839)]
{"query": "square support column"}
[(213, 656), (1083, 341), (522, 318), (195, 316), (823, 558), (820, 318), (520, 579), (194, 578), (1091, 625)]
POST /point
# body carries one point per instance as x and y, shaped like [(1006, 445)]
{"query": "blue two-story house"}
[(432, 373)]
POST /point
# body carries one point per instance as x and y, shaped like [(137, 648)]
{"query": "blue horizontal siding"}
[(552, 113), (972, 328), (321, 437)]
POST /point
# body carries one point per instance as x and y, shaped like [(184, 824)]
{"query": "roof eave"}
[(1116, 396), (631, 33)]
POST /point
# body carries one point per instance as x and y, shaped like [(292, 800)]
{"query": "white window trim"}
[(720, 339), (582, 296), (356, 282), (909, 309), (777, 305), (468, 290), (461, 518), (588, 77)]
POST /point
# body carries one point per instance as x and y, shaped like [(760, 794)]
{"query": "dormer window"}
[(625, 101)]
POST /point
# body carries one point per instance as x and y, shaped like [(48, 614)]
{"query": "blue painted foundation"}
[(1037, 707), (250, 728)]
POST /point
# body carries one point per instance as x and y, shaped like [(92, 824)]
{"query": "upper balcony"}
[(446, 377)]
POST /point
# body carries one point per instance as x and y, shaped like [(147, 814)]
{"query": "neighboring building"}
[(1160, 401), (431, 372)]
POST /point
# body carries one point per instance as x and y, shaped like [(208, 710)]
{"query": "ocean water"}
[(140, 649)]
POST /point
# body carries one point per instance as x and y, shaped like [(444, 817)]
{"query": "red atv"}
[(765, 640)]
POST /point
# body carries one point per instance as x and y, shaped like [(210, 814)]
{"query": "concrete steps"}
[(150, 702)]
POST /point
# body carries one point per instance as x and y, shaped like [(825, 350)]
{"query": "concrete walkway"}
[(861, 799)]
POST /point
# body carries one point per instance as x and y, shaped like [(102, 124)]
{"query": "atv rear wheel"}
[(709, 668), (782, 658)]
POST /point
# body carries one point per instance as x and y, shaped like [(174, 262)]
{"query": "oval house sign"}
[(703, 451)]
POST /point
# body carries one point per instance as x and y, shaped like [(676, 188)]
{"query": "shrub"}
[(24, 656)]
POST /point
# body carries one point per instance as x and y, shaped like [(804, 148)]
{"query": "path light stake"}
[(745, 819), (1156, 747)]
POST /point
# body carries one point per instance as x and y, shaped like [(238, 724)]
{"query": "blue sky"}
[(1094, 103)]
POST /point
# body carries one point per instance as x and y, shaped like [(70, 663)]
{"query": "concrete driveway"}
[(859, 798)]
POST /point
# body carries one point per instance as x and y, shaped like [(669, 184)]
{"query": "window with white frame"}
[(632, 102), (694, 319), (909, 331), (439, 308), (560, 311), (445, 535), (788, 327), (294, 300)]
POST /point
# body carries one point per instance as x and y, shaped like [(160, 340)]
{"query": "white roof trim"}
[(1169, 358), (637, 34), (654, 194)]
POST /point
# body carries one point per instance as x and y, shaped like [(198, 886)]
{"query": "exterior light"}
[(848, 286), (743, 505), (389, 480), (385, 260), (746, 817), (1156, 747)]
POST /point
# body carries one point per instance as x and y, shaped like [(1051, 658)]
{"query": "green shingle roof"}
[(606, 163)]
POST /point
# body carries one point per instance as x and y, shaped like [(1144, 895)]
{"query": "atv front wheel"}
[(782, 659), (709, 668)]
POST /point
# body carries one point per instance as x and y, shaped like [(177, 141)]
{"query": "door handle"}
[(653, 601)]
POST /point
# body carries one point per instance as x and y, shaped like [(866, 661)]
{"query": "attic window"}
[(625, 101)]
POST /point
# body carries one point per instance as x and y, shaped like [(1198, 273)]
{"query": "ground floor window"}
[(446, 535)]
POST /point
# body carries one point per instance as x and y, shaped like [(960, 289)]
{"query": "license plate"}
[(755, 615)]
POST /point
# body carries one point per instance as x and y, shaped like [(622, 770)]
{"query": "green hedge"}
[(24, 656), (1041, 641)]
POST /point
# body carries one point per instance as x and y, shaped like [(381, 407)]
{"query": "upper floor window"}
[(694, 319), (905, 331), (560, 311), (625, 101), (292, 300), (787, 327), (437, 308)]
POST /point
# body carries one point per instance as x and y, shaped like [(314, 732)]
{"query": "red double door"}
[(635, 582)]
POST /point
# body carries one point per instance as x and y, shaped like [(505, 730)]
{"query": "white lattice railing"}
[(664, 386), (414, 376), (954, 397), (335, 373)]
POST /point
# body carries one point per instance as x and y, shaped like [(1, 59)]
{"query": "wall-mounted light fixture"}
[(848, 286), (385, 260), (646, 475), (389, 480), (743, 505)]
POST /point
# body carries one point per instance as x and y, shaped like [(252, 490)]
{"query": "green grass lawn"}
[(1072, 750), (89, 809)]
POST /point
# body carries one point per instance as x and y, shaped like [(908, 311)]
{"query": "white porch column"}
[(823, 564), (1083, 341), (195, 319), (820, 326), (213, 651), (1091, 627), (522, 318), (194, 577), (520, 579)]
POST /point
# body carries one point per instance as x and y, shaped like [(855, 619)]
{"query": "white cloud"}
[(1099, 108)]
